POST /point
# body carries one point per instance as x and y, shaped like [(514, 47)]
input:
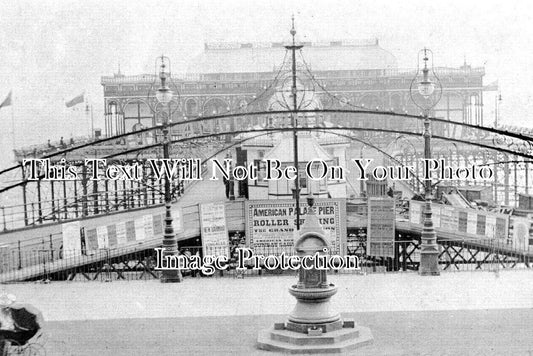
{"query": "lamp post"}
[(426, 100), (170, 243), (231, 181), (294, 122)]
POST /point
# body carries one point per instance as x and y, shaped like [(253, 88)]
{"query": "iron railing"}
[(129, 263)]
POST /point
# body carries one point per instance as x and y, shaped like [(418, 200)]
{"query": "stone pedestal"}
[(347, 338), (313, 326)]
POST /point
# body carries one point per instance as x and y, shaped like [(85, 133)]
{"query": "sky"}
[(51, 51)]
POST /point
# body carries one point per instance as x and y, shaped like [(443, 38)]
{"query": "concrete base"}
[(323, 327), (429, 263), (349, 338)]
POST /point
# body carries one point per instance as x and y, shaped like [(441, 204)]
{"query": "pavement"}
[(467, 313)]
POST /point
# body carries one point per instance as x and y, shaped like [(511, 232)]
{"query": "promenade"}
[(467, 313)]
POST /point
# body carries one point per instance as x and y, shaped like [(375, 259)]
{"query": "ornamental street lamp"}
[(164, 97), (294, 114), (426, 98)]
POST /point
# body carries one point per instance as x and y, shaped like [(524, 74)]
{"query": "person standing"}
[(227, 186)]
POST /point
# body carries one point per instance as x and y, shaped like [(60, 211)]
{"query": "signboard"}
[(139, 228), (177, 222), (502, 228), (448, 219), (415, 211), (91, 240), (380, 235), (463, 216), (270, 224), (71, 239), (112, 235), (101, 234), (435, 209), (468, 222), (215, 240), (490, 228), (521, 228), (130, 231), (158, 224), (148, 226), (121, 233), (471, 222), (481, 224)]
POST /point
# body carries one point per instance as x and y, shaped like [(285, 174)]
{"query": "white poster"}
[(121, 233), (139, 229), (521, 233), (215, 240), (490, 227), (447, 222), (177, 223), (436, 209), (471, 223), (102, 238), (270, 224), (415, 212), (381, 229), (148, 226), (71, 239)]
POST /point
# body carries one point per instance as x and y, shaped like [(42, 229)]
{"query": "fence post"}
[(108, 263), (4, 218), (51, 248), (20, 255), (43, 252)]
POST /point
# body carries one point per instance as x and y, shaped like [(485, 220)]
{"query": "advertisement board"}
[(71, 239), (520, 233), (415, 211), (121, 233), (467, 222), (380, 230), (101, 234), (270, 224), (213, 230), (177, 222)]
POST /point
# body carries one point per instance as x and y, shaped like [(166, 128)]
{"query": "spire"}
[(119, 73), (465, 65)]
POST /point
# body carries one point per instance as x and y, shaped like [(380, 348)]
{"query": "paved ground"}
[(479, 332), (468, 313)]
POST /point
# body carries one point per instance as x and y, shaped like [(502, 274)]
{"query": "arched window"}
[(114, 119), (191, 107), (137, 112)]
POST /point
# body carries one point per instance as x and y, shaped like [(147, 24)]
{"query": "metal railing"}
[(93, 204), (50, 262), (72, 206)]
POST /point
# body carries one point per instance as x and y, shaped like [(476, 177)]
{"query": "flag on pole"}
[(7, 100), (77, 100)]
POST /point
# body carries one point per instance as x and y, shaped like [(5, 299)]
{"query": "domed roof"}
[(266, 57)]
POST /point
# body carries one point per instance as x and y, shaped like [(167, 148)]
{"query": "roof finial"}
[(425, 58), (293, 30)]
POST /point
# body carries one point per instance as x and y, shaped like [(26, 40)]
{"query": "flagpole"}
[(92, 122), (86, 102)]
